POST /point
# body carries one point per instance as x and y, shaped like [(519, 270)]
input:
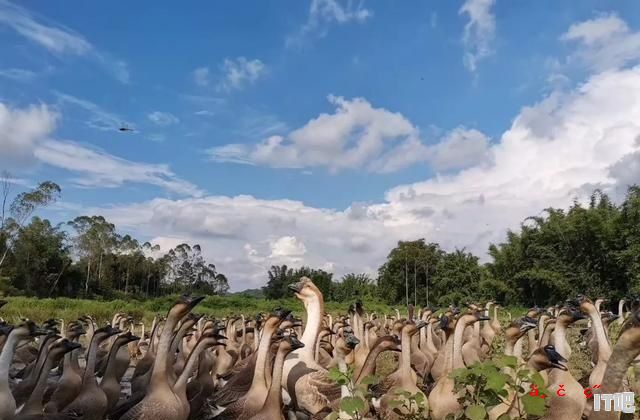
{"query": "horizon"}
[(324, 132)]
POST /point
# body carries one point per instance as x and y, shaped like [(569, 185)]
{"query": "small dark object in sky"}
[(125, 128)]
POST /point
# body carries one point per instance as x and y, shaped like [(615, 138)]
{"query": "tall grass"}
[(218, 306)]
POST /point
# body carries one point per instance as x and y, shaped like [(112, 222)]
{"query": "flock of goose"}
[(272, 367)]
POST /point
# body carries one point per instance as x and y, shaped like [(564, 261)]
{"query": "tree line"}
[(592, 249), (87, 257)]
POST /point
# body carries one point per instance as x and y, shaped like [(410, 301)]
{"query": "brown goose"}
[(91, 402), (23, 389), (272, 407), (442, 398), (573, 403), (55, 352), (70, 383), (251, 402), (242, 375), (405, 377), (24, 331), (602, 339), (110, 383), (382, 344), (306, 382), (202, 386), (142, 371), (627, 348), (160, 402), (207, 340)]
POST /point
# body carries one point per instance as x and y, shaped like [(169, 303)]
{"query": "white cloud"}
[(25, 138), (240, 72), (98, 117), (57, 39), (287, 246), (103, 170), (479, 31), (323, 13), (603, 42), (554, 151), (162, 118), (21, 130), (201, 76), (20, 75), (459, 149), (349, 138), (358, 135)]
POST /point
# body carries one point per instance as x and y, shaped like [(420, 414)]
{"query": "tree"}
[(279, 278), (189, 271), (354, 286), (96, 238), (407, 275), (593, 250), (457, 278), (40, 257), (21, 208)]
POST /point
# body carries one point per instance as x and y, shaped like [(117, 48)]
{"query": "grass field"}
[(217, 306)]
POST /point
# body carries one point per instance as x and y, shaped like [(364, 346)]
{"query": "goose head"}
[(184, 305), (548, 358), (305, 290)]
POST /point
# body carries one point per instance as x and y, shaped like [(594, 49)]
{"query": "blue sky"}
[(319, 132)]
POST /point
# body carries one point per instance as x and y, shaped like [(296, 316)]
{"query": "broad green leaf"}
[(496, 381), (537, 379), (335, 374), (506, 361), (351, 405), (534, 406), (475, 412)]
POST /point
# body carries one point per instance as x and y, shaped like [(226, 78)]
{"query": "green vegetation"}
[(593, 249), (485, 385), (218, 306)]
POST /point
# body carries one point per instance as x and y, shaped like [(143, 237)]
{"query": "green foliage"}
[(407, 406), (423, 272), (410, 406), (356, 404), (487, 384), (217, 306), (353, 287), (409, 272), (280, 277), (594, 250)]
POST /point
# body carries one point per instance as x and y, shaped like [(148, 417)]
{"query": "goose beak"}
[(352, 341), (194, 301), (296, 287), (71, 346), (559, 366), (577, 315), (295, 343)]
